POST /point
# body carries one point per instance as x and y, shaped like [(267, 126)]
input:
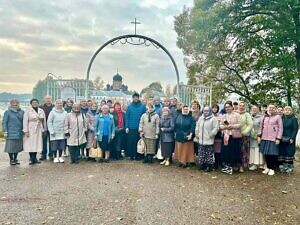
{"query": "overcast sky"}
[(42, 36)]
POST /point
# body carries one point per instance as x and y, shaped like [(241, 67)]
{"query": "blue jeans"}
[(46, 145)]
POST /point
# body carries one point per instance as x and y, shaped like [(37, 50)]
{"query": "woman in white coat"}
[(55, 125), (34, 125)]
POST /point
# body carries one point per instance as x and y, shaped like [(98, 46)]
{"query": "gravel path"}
[(126, 192)]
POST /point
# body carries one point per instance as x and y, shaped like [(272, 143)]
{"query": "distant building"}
[(60, 88)]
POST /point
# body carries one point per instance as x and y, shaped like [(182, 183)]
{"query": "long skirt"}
[(256, 158), (13, 146), (231, 152), (269, 148), (245, 151), (150, 146), (132, 140), (287, 153), (206, 154), (167, 149), (105, 144), (217, 145), (184, 152)]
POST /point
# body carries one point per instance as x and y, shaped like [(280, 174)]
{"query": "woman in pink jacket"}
[(270, 134)]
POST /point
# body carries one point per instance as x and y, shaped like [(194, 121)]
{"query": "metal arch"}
[(124, 39)]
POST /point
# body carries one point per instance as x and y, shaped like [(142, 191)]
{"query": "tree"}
[(98, 83), (248, 47)]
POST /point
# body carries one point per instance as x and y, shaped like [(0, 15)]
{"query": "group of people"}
[(231, 139)]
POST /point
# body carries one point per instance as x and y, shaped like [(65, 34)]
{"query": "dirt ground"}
[(126, 192)]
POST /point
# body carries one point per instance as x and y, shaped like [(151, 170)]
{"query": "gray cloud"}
[(41, 36)]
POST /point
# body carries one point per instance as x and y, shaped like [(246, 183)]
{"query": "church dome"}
[(117, 77)]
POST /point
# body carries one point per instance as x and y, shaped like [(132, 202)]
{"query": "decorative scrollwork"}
[(135, 41)]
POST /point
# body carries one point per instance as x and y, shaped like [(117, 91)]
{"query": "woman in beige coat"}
[(75, 132), (34, 125), (149, 130)]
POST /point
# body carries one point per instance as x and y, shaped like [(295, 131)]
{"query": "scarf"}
[(36, 109), (150, 115), (120, 118)]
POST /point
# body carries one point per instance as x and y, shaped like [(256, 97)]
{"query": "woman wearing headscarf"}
[(195, 110), (149, 131), (166, 125), (218, 137), (75, 128), (287, 147), (34, 125), (91, 120), (105, 131), (55, 124), (232, 140), (12, 125), (119, 119), (270, 134), (184, 134), (206, 129), (256, 159), (246, 127)]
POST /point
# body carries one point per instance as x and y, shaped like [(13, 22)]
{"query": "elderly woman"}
[(75, 128), (184, 133), (34, 125), (232, 141), (270, 134), (287, 147), (167, 141), (218, 137), (119, 119), (256, 159), (149, 130), (12, 125), (206, 129), (55, 124), (91, 121), (246, 127), (105, 131)]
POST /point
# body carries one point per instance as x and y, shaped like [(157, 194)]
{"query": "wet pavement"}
[(126, 192)]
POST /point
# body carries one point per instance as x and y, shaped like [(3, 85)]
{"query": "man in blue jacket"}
[(132, 117)]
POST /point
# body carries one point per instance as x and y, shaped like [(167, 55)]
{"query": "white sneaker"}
[(271, 172), (266, 171), (56, 160), (253, 167), (163, 162), (61, 160)]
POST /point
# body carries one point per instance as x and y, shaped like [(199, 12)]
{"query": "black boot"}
[(146, 160), (203, 167), (150, 158), (209, 168)]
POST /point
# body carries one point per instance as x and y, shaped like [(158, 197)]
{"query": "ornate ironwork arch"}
[(133, 39)]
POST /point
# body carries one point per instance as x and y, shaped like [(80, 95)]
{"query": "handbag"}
[(285, 139), (141, 146), (95, 151)]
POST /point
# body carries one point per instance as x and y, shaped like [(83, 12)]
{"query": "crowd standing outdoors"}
[(230, 140)]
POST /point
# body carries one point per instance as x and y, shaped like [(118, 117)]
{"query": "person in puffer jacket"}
[(206, 129)]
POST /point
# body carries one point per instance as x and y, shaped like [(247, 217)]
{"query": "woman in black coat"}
[(287, 147), (184, 134)]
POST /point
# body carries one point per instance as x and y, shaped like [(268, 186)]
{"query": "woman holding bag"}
[(149, 130), (105, 131)]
